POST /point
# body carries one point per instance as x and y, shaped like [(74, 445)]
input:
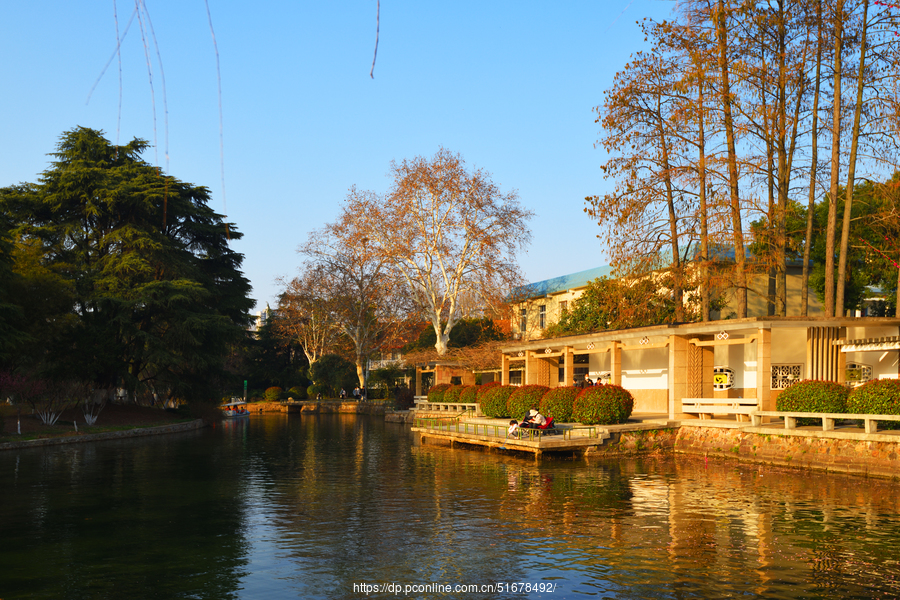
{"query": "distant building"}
[(541, 303)]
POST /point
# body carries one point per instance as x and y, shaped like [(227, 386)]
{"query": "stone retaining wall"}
[(860, 457), (630, 443), (264, 407), (317, 407), (336, 406)]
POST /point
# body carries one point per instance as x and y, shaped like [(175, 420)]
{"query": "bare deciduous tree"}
[(366, 299), (306, 312), (448, 232)]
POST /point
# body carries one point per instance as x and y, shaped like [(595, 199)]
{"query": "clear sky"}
[(511, 86)]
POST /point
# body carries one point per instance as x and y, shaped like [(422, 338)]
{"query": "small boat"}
[(235, 410)]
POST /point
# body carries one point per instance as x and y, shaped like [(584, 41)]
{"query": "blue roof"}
[(563, 282)]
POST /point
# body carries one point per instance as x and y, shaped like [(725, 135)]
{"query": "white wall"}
[(883, 362)]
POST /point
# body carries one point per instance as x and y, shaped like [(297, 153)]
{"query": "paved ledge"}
[(714, 423), (849, 433), (108, 435)]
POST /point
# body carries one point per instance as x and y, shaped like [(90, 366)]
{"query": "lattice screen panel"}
[(783, 376)]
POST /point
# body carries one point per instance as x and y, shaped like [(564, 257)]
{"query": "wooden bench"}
[(828, 419), (705, 408)]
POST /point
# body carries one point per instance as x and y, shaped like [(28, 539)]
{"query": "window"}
[(515, 377), (563, 306), (523, 319), (456, 381), (784, 376), (542, 316), (858, 373), (581, 359), (723, 378)]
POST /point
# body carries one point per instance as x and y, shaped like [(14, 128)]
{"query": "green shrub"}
[(451, 394), (436, 393), (297, 393), (317, 388), (557, 403), (273, 394), (603, 405), (493, 401), (877, 397), (485, 388), (525, 398), (469, 394), (813, 396)]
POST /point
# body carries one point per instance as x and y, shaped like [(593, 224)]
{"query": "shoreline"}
[(853, 453), (107, 435)]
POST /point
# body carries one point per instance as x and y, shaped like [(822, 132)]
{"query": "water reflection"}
[(288, 507)]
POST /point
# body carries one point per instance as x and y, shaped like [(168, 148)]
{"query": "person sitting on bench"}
[(534, 420)]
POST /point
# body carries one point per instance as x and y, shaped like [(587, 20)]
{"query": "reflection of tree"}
[(120, 519)]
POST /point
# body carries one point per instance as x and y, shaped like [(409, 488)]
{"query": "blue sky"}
[(511, 86)]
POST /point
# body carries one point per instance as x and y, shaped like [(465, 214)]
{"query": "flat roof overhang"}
[(732, 327)]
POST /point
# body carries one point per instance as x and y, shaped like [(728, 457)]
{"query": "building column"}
[(701, 363), (419, 381), (504, 369), (764, 370), (532, 368), (615, 363), (569, 365), (678, 375)]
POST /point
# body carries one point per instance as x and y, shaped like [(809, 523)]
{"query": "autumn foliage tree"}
[(447, 231), (362, 294), (756, 91), (306, 312)]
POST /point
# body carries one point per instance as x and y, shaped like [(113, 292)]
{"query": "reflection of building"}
[(741, 358)]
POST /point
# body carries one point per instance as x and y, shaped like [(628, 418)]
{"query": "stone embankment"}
[(858, 456), (318, 407)]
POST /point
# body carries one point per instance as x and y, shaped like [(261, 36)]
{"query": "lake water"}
[(332, 506)]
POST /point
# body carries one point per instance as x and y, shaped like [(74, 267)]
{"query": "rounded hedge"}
[(493, 401), (557, 403), (469, 394), (602, 405), (451, 394), (297, 393), (877, 397), (436, 393), (485, 388), (524, 399), (273, 394), (813, 396)]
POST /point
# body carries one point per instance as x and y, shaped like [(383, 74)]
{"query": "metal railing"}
[(454, 425)]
